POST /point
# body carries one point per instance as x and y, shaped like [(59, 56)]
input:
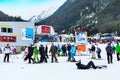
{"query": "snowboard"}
[(101, 66)]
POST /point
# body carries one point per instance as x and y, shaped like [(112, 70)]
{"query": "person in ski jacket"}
[(35, 51), (7, 51), (109, 51), (73, 52), (53, 50), (98, 51), (58, 50), (63, 50), (42, 54), (117, 50), (46, 51), (69, 54), (30, 53), (93, 51)]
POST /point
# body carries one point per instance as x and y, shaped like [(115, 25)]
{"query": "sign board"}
[(27, 33), (81, 40), (45, 29), (7, 39), (81, 37)]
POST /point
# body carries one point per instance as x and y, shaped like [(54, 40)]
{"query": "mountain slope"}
[(109, 18), (93, 15), (5, 17)]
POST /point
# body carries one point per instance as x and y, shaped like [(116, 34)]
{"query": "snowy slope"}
[(44, 14), (19, 70)]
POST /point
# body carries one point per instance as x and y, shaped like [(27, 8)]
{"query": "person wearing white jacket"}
[(7, 51)]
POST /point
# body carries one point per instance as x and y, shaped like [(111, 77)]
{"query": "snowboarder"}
[(89, 65)]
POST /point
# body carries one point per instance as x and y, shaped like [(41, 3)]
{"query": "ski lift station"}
[(16, 33), (45, 33)]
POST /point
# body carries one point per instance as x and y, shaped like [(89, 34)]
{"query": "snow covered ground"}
[(19, 70)]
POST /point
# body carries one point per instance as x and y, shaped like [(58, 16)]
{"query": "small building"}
[(16, 33), (45, 33)]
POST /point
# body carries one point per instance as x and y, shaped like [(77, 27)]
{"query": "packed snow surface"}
[(17, 69)]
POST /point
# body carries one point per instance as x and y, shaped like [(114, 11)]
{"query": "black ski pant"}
[(6, 56), (109, 58), (29, 56), (43, 58), (118, 58), (90, 65)]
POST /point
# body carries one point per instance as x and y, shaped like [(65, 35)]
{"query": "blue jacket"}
[(73, 49)]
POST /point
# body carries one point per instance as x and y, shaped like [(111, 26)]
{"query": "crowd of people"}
[(35, 54), (55, 50)]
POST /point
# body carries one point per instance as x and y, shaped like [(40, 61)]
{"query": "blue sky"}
[(28, 8)]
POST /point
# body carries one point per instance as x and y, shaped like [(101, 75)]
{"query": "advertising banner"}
[(27, 33), (45, 29), (7, 39), (81, 40), (81, 37)]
